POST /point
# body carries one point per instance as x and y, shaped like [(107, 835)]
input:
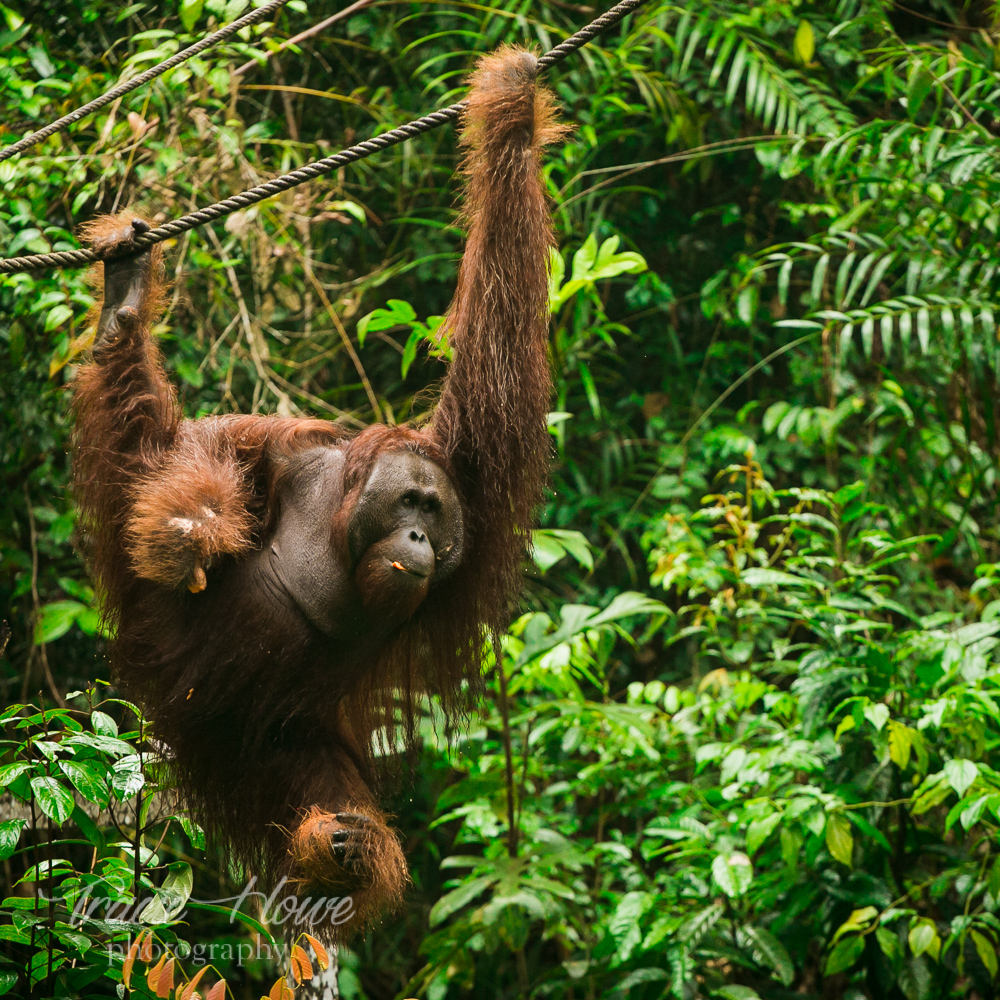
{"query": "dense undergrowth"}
[(745, 743)]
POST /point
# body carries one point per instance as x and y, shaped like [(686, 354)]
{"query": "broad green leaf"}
[(194, 832), (839, 839), (877, 715), (56, 619), (190, 11), (923, 937), (54, 799), (584, 258), (987, 952), (171, 897), (696, 927), (88, 827), (452, 901), (9, 773), (900, 743), (759, 830), (889, 943), (736, 992), (127, 777), (103, 724), (804, 45), (858, 920), (557, 271), (960, 775), (10, 834), (845, 953), (868, 830), (396, 313), (549, 545), (86, 780), (624, 925), (758, 577), (771, 953), (732, 873)]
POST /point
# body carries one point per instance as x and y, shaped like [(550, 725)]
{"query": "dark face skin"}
[(404, 534)]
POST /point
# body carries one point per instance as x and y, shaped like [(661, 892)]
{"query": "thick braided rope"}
[(75, 258), (150, 74)]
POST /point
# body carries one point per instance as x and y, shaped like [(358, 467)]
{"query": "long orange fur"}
[(215, 693)]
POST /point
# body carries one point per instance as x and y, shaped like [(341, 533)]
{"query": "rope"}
[(150, 74), (76, 258)]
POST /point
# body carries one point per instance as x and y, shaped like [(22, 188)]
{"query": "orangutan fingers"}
[(358, 819)]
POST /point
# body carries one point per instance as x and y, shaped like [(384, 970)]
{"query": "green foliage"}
[(743, 744)]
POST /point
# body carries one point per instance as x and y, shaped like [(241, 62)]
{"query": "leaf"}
[(352, 208), (300, 964), (900, 743), (54, 799), (188, 990), (987, 953), (9, 773), (165, 982), (760, 829), (839, 839), (321, 954), (845, 953), (624, 923), (889, 944), (190, 11), (217, 992), (171, 897), (584, 258), (845, 725), (697, 926), (736, 992), (86, 781), (10, 834), (396, 313), (858, 920), (804, 45), (153, 975), (56, 619), (771, 953), (923, 937), (869, 830), (193, 832), (877, 715), (281, 991), (549, 545), (961, 774), (130, 959), (757, 577), (457, 898), (732, 873)]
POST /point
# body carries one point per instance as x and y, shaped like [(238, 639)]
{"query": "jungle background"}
[(744, 742)]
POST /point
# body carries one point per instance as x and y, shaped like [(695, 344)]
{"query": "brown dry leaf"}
[(301, 966), (166, 981), (281, 991), (146, 951), (188, 992), (321, 954), (130, 960), (218, 991), (153, 976)]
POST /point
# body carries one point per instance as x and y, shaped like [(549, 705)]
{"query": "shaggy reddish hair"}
[(274, 729)]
